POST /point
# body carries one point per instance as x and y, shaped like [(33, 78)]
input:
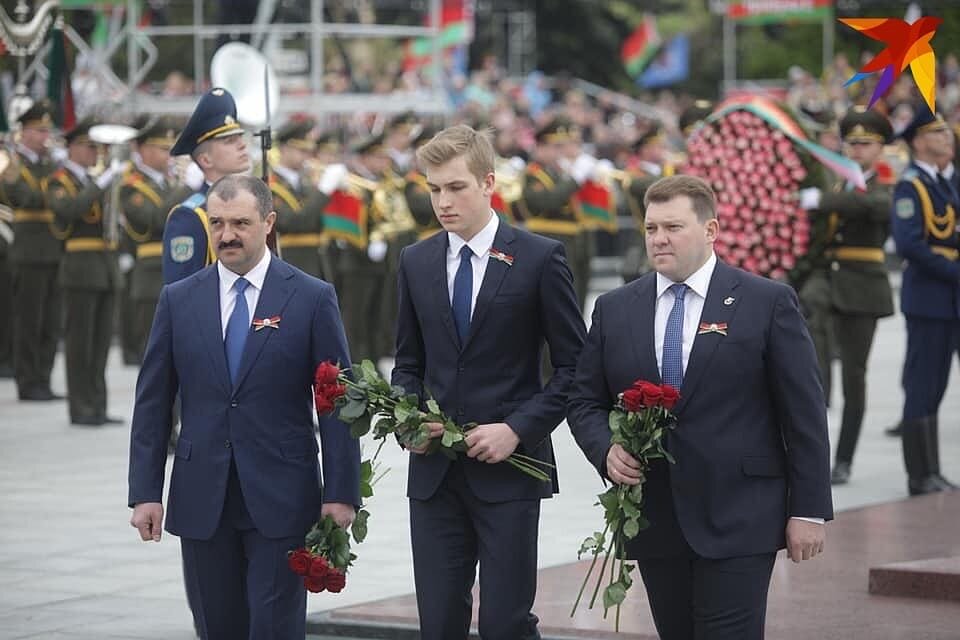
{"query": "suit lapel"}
[(719, 307), (207, 299), (277, 290), (441, 288), (641, 325), (492, 278)]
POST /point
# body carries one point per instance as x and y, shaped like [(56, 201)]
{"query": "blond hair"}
[(702, 198), (460, 140)]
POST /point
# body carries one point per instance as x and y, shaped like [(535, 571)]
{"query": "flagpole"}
[(266, 142)]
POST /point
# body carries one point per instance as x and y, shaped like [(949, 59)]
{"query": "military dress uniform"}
[(34, 256), (186, 235), (90, 277), (146, 197), (848, 287), (6, 296), (299, 206), (924, 223)]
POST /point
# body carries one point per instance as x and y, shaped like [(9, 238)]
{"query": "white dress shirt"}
[(150, 172), (698, 283), (79, 172), (29, 154), (693, 300), (933, 171), (480, 245), (228, 295)]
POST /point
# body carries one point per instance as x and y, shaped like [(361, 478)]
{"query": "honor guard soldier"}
[(89, 274), (847, 288), (34, 256), (417, 192), (299, 203), (924, 222), (549, 184), (400, 141), (147, 193), (215, 141)]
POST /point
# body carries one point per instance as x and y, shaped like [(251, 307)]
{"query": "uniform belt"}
[(150, 250), (559, 227), (301, 240), (32, 215), (947, 252), (859, 254), (88, 244)]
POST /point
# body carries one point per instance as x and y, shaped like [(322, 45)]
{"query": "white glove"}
[(810, 198), (193, 177), (601, 170), (58, 155), (377, 250), (583, 168), (116, 168), (334, 177), (126, 262), (566, 166), (517, 163)]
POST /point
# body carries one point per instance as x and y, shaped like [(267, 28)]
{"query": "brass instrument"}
[(509, 180), (116, 137), (390, 208)]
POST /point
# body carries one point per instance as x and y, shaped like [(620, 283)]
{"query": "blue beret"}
[(214, 117)]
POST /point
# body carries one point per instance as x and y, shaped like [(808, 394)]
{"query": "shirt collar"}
[(255, 276), (289, 175), (150, 172), (29, 154), (948, 172), (699, 280), (481, 243), (76, 170), (929, 168)]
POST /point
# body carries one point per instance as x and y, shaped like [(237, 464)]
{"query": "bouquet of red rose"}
[(639, 421), (370, 403)]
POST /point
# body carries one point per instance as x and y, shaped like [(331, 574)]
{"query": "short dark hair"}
[(702, 198), (227, 188)]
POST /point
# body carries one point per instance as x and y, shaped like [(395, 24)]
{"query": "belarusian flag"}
[(345, 217), (58, 82), (641, 45), (595, 207), (502, 208), (456, 28)]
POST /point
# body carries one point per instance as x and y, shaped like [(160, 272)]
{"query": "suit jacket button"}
[(227, 444), (234, 403)]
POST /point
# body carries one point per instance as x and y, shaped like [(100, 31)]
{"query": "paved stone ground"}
[(71, 568)]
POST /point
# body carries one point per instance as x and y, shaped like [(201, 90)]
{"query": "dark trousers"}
[(6, 317), (454, 530), (926, 370), (36, 324), (239, 584), (88, 331), (854, 335), (143, 312), (695, 598)]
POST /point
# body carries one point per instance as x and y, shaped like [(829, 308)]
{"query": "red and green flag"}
[(640, 46), (456, 28), (58, 82), (345, 217), (769, 11), (595, 206)]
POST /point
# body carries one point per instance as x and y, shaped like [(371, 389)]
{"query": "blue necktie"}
[(673, 340), (463, 294), (238, 326)]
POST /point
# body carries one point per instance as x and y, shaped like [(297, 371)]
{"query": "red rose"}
[(336, 391), (336, 580), (652, 394), (670, 396), (299, 561), (327, 373), (632, 400), (324, 404), (318, 567), (314, 585)]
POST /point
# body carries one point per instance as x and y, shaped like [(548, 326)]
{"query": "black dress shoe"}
[(840, 473), (6, 370), (110, 420), (944, 483), (92, 421), (925, 485), (895, 431), (39, 395)]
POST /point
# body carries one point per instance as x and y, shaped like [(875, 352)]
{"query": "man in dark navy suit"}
[(924, 223), (752, 471), (477, 304), (215, 141), (241, 341)]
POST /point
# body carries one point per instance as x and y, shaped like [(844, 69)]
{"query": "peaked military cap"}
[(558, 129), (924, 121), (80, 134), (328, 141), (860, 124), (214, 117), (159, 132), (653, 134), (296, 133), (39, 115), (405, 122), (694, 114), (370, 144), (424, 135)]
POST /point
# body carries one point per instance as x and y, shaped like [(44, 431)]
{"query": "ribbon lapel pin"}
[(501, 256), (266, 323), (713, 327)]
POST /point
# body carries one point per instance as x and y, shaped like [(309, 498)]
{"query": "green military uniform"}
[(6, 297), (299, 206), (417, 194), (146, 198), (545, 205), (399, 230), (848, 287), (89, 277), (35, 258)]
